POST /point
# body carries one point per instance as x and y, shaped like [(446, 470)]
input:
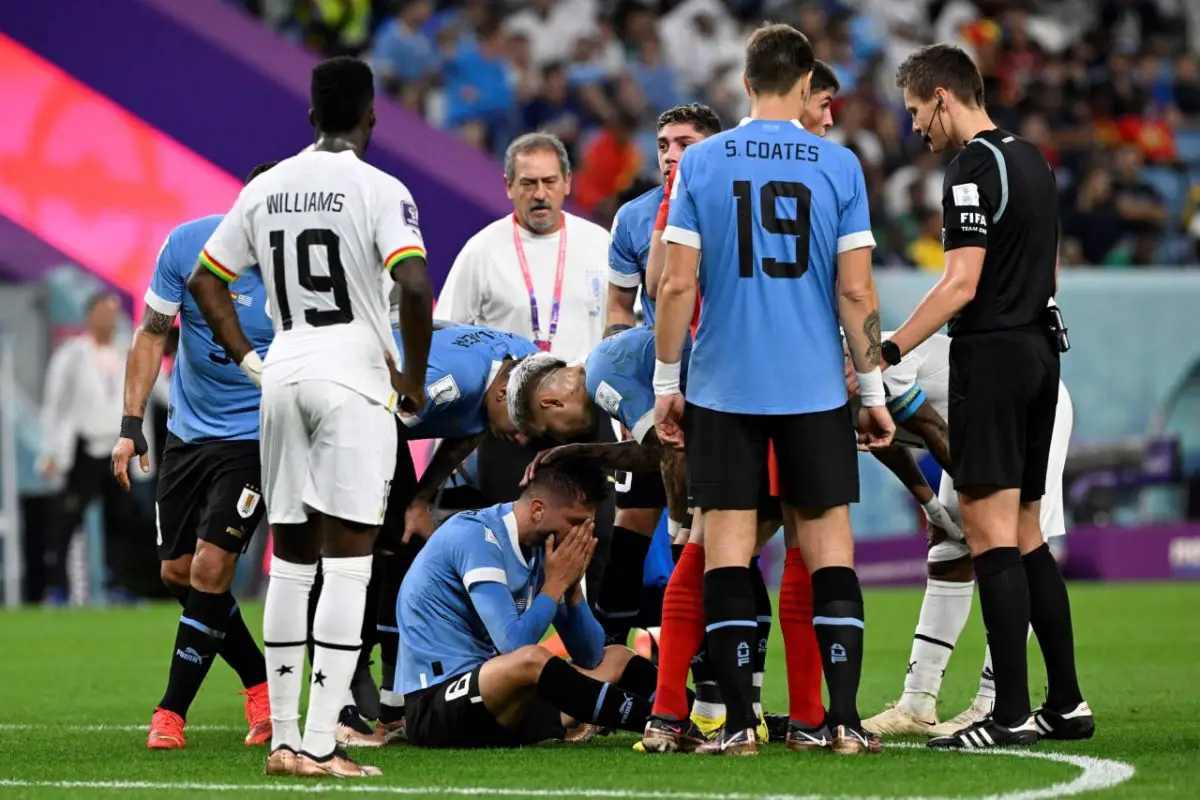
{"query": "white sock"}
[(986, 698), (337, 638), (944, 613), (758, 682), (285, 635)]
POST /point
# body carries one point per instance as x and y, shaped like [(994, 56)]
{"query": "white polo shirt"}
[(485, 286)]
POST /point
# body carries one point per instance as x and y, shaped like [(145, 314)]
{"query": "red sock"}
[(800, 642), (682, 632)]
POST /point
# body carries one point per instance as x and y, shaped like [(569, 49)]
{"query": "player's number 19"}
[(797, 227), (334, 283)]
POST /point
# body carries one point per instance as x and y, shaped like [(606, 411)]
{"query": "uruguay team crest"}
[(247, 502)]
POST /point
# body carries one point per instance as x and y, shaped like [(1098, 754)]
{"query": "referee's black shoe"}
[(986, 734), (1078, 723)]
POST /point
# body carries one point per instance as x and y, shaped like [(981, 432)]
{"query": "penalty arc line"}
[(1096, 774)]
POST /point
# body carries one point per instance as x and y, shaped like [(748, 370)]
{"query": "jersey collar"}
[(748, 120), (510, 525)]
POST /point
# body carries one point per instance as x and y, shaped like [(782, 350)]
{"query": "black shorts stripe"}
[(932, 640), (285, 644), (330, 646)]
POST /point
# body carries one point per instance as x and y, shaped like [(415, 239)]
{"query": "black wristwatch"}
[(889, 351)]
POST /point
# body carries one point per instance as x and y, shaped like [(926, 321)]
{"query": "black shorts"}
[(452, 714), (727, 458), (210, 491), (640, 490), (400, 495), (1003, 397)]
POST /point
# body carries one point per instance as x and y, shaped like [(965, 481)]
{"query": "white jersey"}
[(925, 372), (326, 229)]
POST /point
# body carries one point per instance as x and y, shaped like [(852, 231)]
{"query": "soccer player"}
[(209, 497), (918, 392), (762, 213), (466, 388), (327, 227), (482, 594), (641, 499), (1001, 232)]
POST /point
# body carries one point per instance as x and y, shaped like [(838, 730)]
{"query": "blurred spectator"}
[(610, 163), (656, 80), (81, 417), (926, 251), (553, 26), (850, 129), (403, 57), (927, 173), (1091, 217), (479, 98), (523, 74), (555, 109), (341, 27), (1186, 90), (1138, 204)]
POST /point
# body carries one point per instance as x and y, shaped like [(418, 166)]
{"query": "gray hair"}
[(528, 143), (523, 382)]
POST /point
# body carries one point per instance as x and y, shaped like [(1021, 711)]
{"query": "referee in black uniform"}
[(1000, 232)]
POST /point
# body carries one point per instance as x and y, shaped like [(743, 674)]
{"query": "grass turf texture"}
[(1138, 647)]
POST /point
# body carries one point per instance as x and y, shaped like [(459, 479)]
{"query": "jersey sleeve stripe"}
[(216, 268), (399, 255), (643, 426), (484, 575), (159, 304), (683, 236), (854, 241), (626, 280)]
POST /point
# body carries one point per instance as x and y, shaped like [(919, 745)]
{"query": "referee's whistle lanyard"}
[(560, 269)]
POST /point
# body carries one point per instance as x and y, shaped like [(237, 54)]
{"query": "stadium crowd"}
[(1108, 89)]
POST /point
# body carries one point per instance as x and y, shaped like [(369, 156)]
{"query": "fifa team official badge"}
[(247, 502)]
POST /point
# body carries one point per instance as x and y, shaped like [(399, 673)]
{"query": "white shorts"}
[(1053, 521), (325, 448)]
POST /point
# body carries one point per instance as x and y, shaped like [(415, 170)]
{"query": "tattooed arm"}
[(450, 453), (858, 307), (145, 360), (674, 476)]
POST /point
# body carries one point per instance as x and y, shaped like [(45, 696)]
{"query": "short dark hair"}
[(698, 115), (260, 169), (824, 79), (945, 66), (342, 91), (97, 297), (777, 56), (572, 481)]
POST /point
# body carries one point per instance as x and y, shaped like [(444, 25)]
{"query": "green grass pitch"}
[(75, 686)]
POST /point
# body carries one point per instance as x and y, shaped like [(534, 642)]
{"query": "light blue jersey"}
[(619, 377), (473, 593), (463, 362), (631, 230), (211, 399), (769, 206)]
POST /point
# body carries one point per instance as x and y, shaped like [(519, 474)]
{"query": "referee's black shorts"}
[(1003, 396), (817, 455)]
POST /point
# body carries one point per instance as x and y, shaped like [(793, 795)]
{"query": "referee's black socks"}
[(839, 622), (199, 636), (1004, 601), (1050, 614), (732, 635)]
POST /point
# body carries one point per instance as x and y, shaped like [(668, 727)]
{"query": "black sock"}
[(676, 552), (639, 677), (394, 568), (1050, 614), (1004, 601), (201, 629), (762, 607), (589, 700), (620, 600), (839, 621), (732, 638), (241, 651), (364, 692), (703, 678)]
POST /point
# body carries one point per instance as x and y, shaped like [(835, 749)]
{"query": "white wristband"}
[(666, 378), (870, 388), (932, 507), (673, 528), (252, 365)]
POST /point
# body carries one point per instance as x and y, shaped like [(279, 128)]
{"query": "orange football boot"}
[(258, 714), (166, 731)]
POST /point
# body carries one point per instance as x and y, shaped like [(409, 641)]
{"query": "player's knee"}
[(531, 660), (955, 571), (176, 575), (616, 656), (212, 570)]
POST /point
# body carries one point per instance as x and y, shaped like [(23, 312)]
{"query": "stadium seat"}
[(1187, 145), (1169, 184)]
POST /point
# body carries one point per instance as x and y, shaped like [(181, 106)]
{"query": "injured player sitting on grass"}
[(480, 596)]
